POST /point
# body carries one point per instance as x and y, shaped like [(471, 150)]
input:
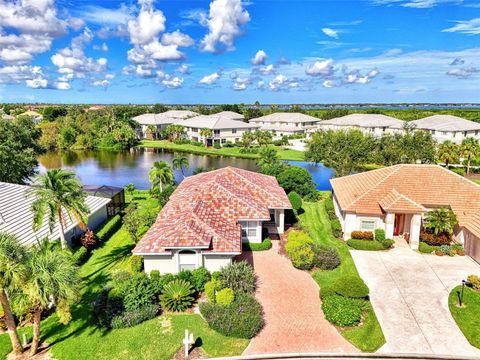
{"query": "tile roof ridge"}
[(410, 200), (397, 168), (231, 168), (470, 182)]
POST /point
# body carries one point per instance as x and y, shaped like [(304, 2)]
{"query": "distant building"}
[(374, 124), (223, 129), (159, 122), (115, 194), (230, 115), (37, 117), (448, 127), (282, 123), (7, 117), (16, 216)]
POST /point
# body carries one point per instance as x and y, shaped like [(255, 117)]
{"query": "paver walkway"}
[(294, 320), (409, 292)]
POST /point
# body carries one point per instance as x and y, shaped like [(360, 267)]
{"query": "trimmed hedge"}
[(225, 297), (80, 255), (362, 235), (243, 318), (351, 286), (342, 311), (299, 250), (336, 228), (109, 228), (295, 200), (380, 234), (266, 244), (370, 245)]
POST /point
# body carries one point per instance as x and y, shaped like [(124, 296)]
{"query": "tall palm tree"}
[(268, 157), (53, 279), (441, 220), (448, 153), (470, 149), (206, 133), (12, 273), (160, 174), (179, 162), (248, 138), (58, 193)]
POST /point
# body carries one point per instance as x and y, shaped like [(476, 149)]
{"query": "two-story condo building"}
[(282, 123), (150, 125), (374, 124)]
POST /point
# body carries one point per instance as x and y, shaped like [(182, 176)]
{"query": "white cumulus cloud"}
[(259, 58), (210, 79), (330, 32), (173, 82), (320, 68)]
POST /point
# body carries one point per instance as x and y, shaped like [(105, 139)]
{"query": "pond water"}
[(118, 168)]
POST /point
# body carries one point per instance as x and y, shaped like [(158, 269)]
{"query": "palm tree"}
[(58, 192), (151, 131), (268, 157), (160, 174), (263, 137), (448, 153), (179, 162), (53, 279), (441, 220), (469, 148), (12, 273), (206, 133), (248, 138)]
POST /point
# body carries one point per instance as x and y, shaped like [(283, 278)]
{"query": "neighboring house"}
[(230, 115), (7, 117), (397, 198), (448, 127), (16, 216), (282, 123), (159, 122), (209, 216), (223, 129), (374, 124), (37, 117), (115, 194)]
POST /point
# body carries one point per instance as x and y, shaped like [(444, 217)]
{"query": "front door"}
[(397, 224)]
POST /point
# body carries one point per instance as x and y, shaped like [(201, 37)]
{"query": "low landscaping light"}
[(460, 295)]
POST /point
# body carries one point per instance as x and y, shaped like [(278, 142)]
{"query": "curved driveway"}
[(293, 315), (409, 292)]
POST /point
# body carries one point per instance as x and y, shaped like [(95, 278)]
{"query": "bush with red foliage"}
[(435, 240), (362, 235), (88, 240)]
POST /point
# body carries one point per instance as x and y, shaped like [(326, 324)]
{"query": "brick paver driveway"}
[(409, 292), (294, 319)]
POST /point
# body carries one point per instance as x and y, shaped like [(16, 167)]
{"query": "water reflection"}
[(118, 168)]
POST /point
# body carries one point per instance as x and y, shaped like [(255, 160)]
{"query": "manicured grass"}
[(368, 336), (283, 154), (158, 338), (467, 317)]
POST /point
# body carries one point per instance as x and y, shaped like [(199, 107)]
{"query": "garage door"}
[(472, 246)]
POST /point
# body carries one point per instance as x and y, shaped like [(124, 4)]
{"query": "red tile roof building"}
[(205, 210)]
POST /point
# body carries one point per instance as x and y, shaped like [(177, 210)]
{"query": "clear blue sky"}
[(229, 51)]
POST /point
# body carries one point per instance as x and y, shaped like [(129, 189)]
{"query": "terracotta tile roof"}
[(427, 186), (204, 211)]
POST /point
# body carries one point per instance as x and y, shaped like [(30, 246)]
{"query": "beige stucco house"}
[(223, 129), (159, 121), (397, 198), (209, 216), (283, 123)]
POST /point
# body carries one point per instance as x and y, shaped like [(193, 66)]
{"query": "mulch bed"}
[(195, 353)]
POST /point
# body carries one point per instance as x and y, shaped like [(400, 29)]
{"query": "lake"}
[(118, 168)]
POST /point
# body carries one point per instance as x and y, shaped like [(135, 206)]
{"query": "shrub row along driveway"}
[(294, 320), (409, 292)]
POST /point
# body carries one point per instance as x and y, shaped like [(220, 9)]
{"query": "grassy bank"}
[(368, 336), (158, 338), (467, 317), (284, 154)]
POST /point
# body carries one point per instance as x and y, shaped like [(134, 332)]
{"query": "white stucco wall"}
[(216, 262), (97, 218), (163, 263), (353, 222)]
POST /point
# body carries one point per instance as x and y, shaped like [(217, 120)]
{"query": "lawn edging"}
[(368, 336)]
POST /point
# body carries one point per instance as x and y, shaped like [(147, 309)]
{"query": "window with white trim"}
[(187, 260), (367, 225), (249, 229)]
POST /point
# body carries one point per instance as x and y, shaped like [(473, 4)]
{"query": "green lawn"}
[(284, 154), (158, 338), (467, 317), (368, 336)]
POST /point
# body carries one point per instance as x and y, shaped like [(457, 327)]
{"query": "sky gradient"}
[(229, 51)]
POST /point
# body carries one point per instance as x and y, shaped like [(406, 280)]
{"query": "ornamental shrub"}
[(425, 248), (326, 258), (132, 318), (362, 235), (387, 243), (336, 228), (475, 280), (137, 292), (266, 244), (238, 276), (295, 200), (200, 277), (302, 257), (342, 311), (435, 240), (294, 178), (210, 289), (225, 297), (185, 275), (106, 307), (350, 286), (109, 228), (243, 318), (370, 245), (379, 234), (177, 295), (88, 240)]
